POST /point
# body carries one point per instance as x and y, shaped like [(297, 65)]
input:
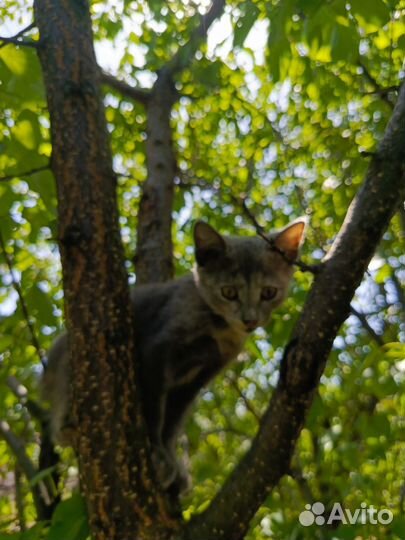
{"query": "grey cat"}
[(187, 330)]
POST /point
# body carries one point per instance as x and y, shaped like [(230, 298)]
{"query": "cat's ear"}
[(209, 244), (290, 239)]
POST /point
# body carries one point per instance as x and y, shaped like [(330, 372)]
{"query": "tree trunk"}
[(154, 239), (111, 444)]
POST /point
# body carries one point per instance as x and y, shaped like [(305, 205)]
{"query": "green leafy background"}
[(280, 110)]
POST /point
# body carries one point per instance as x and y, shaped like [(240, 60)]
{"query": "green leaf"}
[(41, 475), (383, 274), (43, 183), (26, 131), (34, 533), (345, 43), (69, 521), (278, 43), (373, 14), (21, 76), (245, 24), (40, 305)]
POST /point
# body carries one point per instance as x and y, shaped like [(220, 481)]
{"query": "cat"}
[(187, 330)]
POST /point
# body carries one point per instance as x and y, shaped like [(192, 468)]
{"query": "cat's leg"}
[(178, 403), (55, 389), (154, 388), (195, 365), (154, 407)]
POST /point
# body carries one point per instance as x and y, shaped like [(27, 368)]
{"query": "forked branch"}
[(304, 359), (15, 40)]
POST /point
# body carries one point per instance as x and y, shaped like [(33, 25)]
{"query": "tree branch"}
[(24, 308), (137, 94), (366, 325), (20, 42), (21, 393), (154, 255), (18, 447), (48, 458), (23, 30), (234, 383), (185, 54), (304, 359), (14, 39), (312, 268), (19, 499), (42, 499), (377, 88), (116, 474), (399, 289), (30, 172), (383, 91), (154, 250)]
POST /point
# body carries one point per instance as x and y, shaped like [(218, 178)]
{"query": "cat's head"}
[(243, 278)]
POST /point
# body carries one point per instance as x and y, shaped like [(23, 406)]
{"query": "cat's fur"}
[(186, 331)]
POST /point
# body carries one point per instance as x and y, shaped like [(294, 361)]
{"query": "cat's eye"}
[(268, 293), (229, 292)]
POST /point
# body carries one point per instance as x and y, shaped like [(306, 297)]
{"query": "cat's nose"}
[(250, 324)]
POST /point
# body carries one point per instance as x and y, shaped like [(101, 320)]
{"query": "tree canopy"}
[(245, 114)]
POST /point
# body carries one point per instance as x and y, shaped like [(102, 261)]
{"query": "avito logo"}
[(315, 513)]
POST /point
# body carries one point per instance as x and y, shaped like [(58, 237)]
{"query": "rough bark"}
[(154, 239), (154, 258), (326, 308), (111, 444)]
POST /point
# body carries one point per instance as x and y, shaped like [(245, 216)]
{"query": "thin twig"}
[(383, 91), (245, 400), (18, 448), (219, 431), (137, 94), (23, 31), (366, 325), (30, 172), (302, 482), (16, 41), (21, 392), (18, 389), (241, 202), (402, 498), (46, 493), (18, 289), (399, 289), (40, 493), (312, 268), (185, 54), (19, 499), (378, 89)]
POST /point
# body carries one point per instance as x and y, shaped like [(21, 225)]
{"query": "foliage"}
[(279, 113)]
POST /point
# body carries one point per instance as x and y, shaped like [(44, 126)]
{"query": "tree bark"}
[(112, 448), (154, 257), (154, 239)]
